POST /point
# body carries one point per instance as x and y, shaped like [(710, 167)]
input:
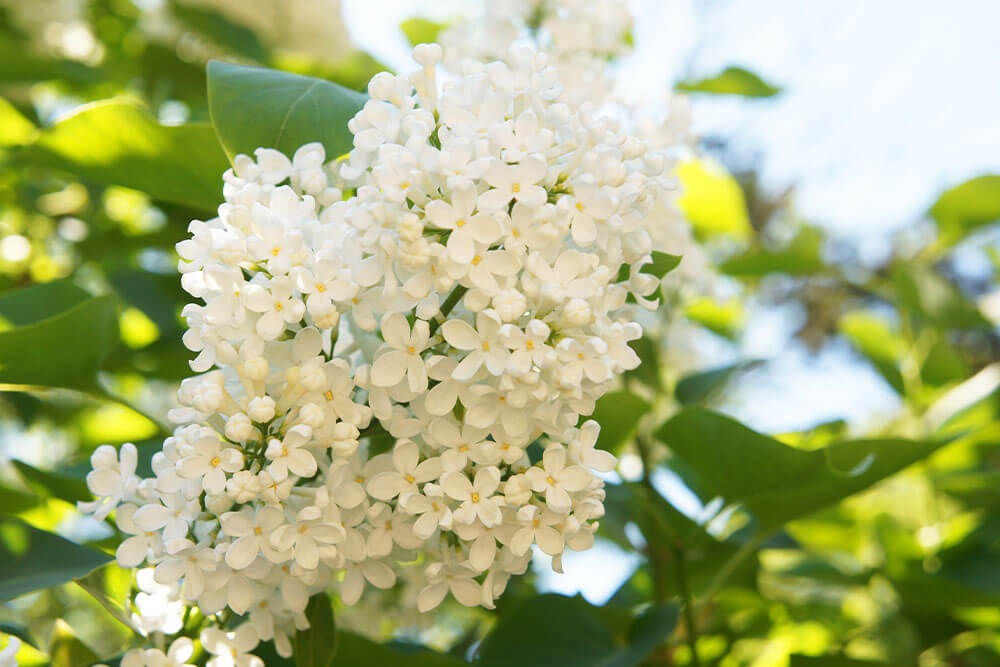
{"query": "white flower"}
[(556, 480), (408, 472), (483, 345), (290, 454), (231, 649), (514, 181), (442, 578), (111, 480), (401, 354), (537, 527), (432, 508), (252, 532), (476, 496), (469, 232), (180, 652), (208, 461), (309, 537)]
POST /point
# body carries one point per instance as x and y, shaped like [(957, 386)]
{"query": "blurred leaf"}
[(731, 81), (421, 31), (18, 65), (944, 364), (353, 649), (874, 338), (700, 387), (926, 293), (712, 200), (66, 649), (775, 482), (70, 360), (15, 502), (118, 142), (801, 257), (34, 559), (796, 660), (725, 319), (254, 107), (54, 484), (648, 371), (31, 304), (557, 631), (15, 129), (235, 38), (352, 71), (315, 647), (966, 207), (618, 413)]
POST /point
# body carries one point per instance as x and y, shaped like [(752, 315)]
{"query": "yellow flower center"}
[(579, 206), (476, 260), (303, 528), (460, 223), (486, 345), (278, 306), (320, 287), (516, 187), (550, 480), (275, 252), (530, 345), (410, 479), (215, 462), (411, 350), (328, 395), (475, 497)]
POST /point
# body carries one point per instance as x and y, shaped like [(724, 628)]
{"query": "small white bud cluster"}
[(403, 345)]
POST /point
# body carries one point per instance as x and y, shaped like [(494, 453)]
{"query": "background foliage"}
[(821, 547)]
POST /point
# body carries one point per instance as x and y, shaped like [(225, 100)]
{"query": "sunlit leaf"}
[(731, 81), (34, 559), (928, 294), (421, 31), (874, 338), (966, 207), (254, 107), (725, 319), (712, 200), (66, 649), (118, 142), (775, 482), (15, 129)]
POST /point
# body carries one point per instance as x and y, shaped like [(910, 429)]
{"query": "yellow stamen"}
[(275, 252), (278, 306), (410, 479), (550, 480), (328, 395), (460, 223), (475, 497), (579, 206), (486, 345), (516, 187), (476, 260), (320, 287), (216, 461), (530, 345)]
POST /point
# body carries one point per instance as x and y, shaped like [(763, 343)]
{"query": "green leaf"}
[(966, 207), (235, 38), (618, 413), (38, 302), (421, 31), (110, 586), (648, 372), (704, 386), (118, 142), (71, 360), (731, 81), (53, 484), (66, 649), (832, 660), (773, 481), (316, 646), (928, 294), (874, 338), (353, 649), (724, 319), (34, 559), (662, 264), (253, 107), (800, 257), (352, 71), (15, 129), (713, 200), (557, 631), (18, 65)]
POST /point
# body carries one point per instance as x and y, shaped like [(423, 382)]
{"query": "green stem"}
[(449, 303), (689, 616)]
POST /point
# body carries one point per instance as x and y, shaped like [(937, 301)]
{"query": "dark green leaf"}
[(649, 629), (353, 649), (731, 81), (421, 31), (618, 413), (53, 484), (316, 646), (235, 38), (775, 482), (966, 207), (701, 387), (17, 64), (34, 559), (38, 302), (547, 631), (796, 660), (119, 143), (648, 371), (71, 360), (253, 107)]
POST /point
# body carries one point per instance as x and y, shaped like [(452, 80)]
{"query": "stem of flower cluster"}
[(689, 616), (449, 303)]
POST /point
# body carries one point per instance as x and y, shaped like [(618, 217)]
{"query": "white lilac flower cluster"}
[(395, 351), (580, 36)]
